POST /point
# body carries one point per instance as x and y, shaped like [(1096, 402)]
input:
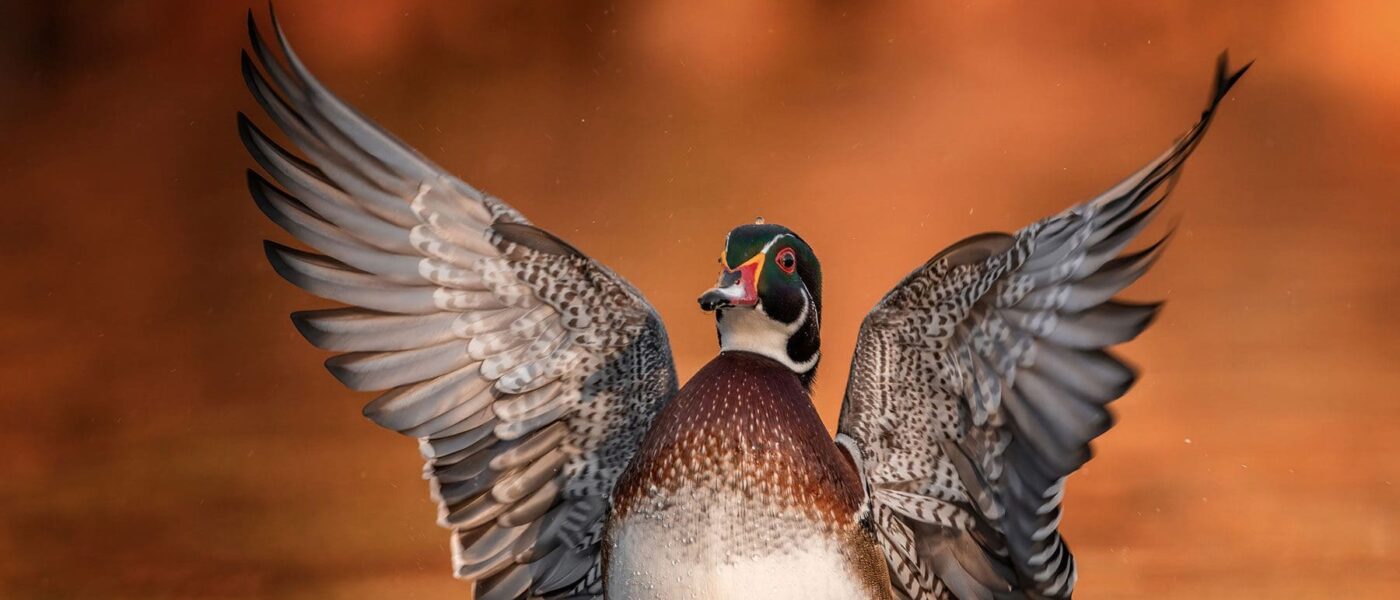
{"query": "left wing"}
[(979, 381), (527, 371)]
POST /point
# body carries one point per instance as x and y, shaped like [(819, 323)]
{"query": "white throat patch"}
[(752, 330)]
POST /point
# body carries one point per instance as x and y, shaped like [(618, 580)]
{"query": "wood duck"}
[(567, 462), (737, 477)]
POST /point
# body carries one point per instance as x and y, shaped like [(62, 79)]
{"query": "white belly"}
[(649, 561)]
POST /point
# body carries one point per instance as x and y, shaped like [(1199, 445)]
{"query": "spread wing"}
[(527, 371), (979, 381)]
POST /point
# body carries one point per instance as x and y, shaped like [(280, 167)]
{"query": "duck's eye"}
[(787, 260)]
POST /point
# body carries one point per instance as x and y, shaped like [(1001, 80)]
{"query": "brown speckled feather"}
[(979, 381), (527, 371)]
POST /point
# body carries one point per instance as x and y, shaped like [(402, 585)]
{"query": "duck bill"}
[(736, 287)]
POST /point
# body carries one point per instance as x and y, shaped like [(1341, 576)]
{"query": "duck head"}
[(768, 299)]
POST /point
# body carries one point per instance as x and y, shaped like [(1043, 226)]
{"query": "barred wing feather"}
[(527, 371), (979, 381)]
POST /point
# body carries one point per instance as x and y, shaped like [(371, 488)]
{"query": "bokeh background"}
[(165, 433)]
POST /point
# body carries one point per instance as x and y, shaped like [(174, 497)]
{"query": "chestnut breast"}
[(745, 426)]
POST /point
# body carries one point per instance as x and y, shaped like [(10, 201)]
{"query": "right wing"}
[(527, 371), (979, 381)]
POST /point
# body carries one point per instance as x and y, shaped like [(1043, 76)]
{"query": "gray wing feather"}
[(979, 381), (527, 371)]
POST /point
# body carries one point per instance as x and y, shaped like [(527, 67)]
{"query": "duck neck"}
[(795, 345)]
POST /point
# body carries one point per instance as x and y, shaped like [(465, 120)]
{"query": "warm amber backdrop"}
[(165, 433)]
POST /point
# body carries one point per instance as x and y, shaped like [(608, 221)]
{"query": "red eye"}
[(787, 260)]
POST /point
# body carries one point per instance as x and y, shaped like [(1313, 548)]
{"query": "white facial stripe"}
[(766, 247), (769, 245)]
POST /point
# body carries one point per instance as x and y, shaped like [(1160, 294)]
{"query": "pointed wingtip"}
[(272, 14), (274, 251), (255, 33), (278, 31), (252, 26), (340, 368), (305, 324), (1153, 313), (245, 63), (248, 133), (255, 185), (245, 124), (261, 191), (1225, 78)]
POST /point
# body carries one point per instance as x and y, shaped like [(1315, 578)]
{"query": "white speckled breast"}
[(648, 559)]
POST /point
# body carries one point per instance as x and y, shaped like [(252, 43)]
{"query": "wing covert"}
[(979, 381), (527, 371)]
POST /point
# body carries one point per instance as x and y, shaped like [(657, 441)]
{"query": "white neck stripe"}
[(752, 330)]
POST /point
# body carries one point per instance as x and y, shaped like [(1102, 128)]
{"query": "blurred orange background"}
[(167, 434)]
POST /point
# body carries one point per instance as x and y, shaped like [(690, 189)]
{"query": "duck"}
[(566, 459)]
